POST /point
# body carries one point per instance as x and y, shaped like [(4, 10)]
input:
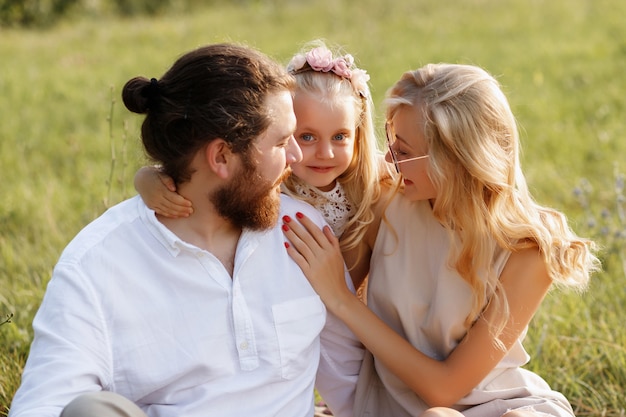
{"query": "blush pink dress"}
[(412, 288)]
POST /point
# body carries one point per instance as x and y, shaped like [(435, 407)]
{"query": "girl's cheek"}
[(296, 168)]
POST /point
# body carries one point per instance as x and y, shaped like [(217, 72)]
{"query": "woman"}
[(460, 262)]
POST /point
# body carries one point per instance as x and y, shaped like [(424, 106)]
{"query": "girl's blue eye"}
[(306, 137), (339, 136)]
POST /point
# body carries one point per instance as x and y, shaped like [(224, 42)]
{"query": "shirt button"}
[(243, 345)]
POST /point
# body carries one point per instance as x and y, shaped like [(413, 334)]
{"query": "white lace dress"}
[(334, 204)]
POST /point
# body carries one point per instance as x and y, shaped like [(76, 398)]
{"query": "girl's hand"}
[(318, 254), (158, 191)]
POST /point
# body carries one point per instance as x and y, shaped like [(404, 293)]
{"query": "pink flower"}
[(342, 68), (297, 62), (359, 81), (320, 59)]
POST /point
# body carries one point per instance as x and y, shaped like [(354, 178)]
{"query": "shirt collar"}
[(249, 239), (170, 241)]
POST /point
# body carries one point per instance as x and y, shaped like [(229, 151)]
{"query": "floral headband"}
[(320, 59)]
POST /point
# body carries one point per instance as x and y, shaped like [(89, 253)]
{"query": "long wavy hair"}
[(361, 180), (482, 195)]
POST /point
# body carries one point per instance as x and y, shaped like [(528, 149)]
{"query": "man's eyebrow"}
[(283, 138)]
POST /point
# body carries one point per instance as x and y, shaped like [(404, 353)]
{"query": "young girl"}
[(340, 169), (460, 265)]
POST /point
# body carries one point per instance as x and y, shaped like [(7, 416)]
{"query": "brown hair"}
[(216, 91)]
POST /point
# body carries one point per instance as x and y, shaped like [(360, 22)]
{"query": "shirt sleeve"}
[(69, 354), (341, 355)]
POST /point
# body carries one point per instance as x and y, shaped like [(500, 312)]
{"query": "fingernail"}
[(287, 245), (285, 228), (299, 215), (286, 219)]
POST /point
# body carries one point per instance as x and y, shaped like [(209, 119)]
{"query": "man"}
[(204, 315)]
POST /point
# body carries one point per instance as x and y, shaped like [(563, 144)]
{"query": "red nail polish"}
[(285, 228), (299, 215), (286, 245), (286, 219)]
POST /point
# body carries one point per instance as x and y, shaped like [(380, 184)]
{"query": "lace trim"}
[(334, 205)]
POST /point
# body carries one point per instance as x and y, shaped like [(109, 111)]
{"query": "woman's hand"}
[(158, 191), (318, 254)]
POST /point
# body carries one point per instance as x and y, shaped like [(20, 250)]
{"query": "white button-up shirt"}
[(133, 309)]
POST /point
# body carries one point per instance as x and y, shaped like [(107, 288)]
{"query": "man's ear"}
[(220, 158)]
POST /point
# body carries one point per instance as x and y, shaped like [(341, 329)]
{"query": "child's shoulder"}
[(290, 205)]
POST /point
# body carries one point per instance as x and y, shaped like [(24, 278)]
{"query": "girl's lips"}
[(407, 182), (321, 169)]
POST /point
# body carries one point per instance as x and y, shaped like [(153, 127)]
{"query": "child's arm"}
[(158, 191), (358, 258)]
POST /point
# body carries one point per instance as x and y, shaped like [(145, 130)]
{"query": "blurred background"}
[(69, 149)]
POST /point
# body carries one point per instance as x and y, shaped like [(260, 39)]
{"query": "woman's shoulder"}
[(393, 201)]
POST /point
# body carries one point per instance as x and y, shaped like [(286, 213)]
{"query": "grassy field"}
[(68, 149)]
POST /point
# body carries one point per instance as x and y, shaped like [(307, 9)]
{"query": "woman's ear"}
[(220, 158)]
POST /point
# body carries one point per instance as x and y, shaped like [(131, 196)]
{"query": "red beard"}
[(249, 201)]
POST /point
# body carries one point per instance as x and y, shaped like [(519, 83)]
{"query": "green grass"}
[(561, 62)]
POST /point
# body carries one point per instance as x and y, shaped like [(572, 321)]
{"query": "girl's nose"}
[(324, 150)]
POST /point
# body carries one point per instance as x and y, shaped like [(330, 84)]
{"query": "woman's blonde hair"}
[(361, 180), (482, 195)]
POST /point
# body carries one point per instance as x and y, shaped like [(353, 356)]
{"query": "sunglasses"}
[(391, 139)]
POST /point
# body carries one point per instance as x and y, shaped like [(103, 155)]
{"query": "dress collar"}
[(334, 204)]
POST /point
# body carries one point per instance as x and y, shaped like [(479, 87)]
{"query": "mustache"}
[(282, 178)]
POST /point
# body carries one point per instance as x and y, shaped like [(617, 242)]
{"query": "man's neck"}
[(207, 230)]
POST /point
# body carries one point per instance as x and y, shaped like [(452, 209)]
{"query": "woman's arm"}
[(158, 191), (438, 383)]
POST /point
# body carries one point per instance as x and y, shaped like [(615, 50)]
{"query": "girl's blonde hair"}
[(361, 180), (482, 195)]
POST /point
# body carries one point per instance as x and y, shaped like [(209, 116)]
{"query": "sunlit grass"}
[(561, 63)]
